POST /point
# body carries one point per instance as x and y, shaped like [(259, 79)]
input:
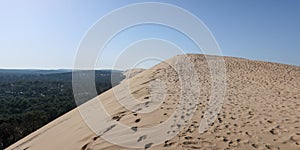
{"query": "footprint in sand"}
[(295, 138), (134, 128), (148, 145), (167, 143), (141, 138), (137, 120)]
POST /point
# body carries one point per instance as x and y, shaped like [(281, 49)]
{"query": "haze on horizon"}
[(46, 34)]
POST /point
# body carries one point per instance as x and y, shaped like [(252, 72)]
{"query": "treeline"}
[(28, 101)]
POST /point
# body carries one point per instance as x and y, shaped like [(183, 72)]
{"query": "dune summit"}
[(260, 111)]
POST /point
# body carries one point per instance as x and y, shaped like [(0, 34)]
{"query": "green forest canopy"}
[(29, 99)]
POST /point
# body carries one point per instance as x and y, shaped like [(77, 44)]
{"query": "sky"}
[(46, 34)]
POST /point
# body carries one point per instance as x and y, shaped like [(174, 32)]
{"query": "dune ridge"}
[(260, 110)]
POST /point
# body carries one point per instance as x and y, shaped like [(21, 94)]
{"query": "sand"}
[(261, 110), (132, 72)]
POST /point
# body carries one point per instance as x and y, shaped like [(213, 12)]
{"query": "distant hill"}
[(32, 71)]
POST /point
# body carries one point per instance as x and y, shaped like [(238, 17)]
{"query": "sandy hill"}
[(261, 110), (132, 72)]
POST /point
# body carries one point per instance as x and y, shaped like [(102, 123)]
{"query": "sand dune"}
[(132, 72), (261, 110)]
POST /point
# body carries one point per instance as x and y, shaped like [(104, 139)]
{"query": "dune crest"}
[(132, 72)]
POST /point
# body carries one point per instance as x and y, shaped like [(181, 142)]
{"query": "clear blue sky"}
[(45, 34)]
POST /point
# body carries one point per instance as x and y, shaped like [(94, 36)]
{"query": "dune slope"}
[(261, 110)]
